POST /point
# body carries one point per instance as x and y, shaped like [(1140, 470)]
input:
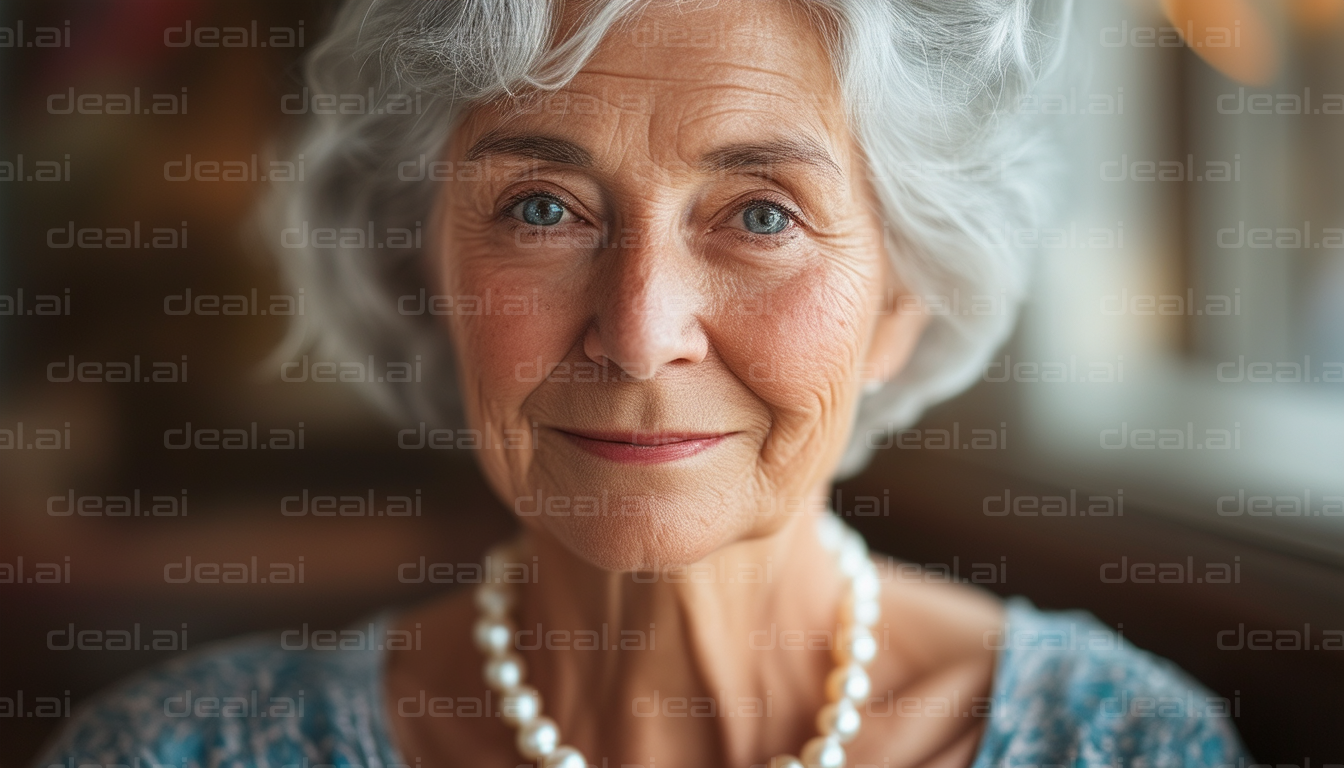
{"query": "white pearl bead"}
[(864, 612), (841, 720), (865, 585), (495, 599), (785, 761), (852, 543), (504, 673), (493, 636), (856, 644), (831, 532), (848, 682), (521, 706), (851, 561), (538, 738), (823, 752), (564, 757)]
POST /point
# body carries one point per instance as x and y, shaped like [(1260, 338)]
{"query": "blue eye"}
[(539, 211), (765, 219)]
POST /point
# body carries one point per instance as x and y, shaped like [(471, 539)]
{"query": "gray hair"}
[(930, 87)]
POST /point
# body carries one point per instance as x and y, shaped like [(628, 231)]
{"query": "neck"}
[(705, 637)]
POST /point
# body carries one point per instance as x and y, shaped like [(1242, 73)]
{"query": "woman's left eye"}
[(540, 211), (765, 218)]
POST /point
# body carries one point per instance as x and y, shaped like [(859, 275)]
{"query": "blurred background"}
[(1169, 415)]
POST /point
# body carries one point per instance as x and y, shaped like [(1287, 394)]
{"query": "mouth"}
[(643, 447)]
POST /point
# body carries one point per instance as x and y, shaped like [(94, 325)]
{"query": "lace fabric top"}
[(1067, 692)]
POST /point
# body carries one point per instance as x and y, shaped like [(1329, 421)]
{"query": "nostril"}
[(639, 371), (637, 349)]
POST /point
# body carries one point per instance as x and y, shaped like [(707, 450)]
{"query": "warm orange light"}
[(1231, 35), (1316, 15)]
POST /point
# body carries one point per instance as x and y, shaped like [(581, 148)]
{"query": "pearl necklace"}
[(847, 686)]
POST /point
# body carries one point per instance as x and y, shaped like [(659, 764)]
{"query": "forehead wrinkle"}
[(808, 142), (735, 102), (753, 103), (714, 66), (754, 82)]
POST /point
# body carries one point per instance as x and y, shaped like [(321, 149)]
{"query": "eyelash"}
[(795, 218)]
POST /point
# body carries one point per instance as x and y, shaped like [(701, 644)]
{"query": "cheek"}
[(507, 331), (798, 348)]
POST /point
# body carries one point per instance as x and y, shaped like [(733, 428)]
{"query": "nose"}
[(647, 312)]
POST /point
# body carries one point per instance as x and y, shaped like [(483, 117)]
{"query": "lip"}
[(643, 447)]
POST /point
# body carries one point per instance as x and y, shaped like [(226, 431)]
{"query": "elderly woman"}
[(688, 259)]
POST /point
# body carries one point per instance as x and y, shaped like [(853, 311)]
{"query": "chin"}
[(652, 535)]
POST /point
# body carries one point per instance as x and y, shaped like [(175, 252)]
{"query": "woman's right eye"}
[(541, 211)]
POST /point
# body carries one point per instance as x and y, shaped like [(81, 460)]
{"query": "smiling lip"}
[(643, 447)]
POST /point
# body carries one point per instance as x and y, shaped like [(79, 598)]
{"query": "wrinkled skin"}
[(651, 306)]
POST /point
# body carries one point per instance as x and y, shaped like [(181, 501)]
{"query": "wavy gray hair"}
[(930, 86)]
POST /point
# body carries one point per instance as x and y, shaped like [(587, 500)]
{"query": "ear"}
[(899, 326)]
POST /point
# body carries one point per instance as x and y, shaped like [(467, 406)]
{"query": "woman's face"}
[(668, 286)]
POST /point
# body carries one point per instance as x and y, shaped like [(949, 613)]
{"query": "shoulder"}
[(244, 702), (1068, 688)]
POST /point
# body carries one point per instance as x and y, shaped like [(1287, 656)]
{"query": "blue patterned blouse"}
[(1067, 692)]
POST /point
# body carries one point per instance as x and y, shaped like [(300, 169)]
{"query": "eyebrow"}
[(546, 148), (734, 157), (800, 151)]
